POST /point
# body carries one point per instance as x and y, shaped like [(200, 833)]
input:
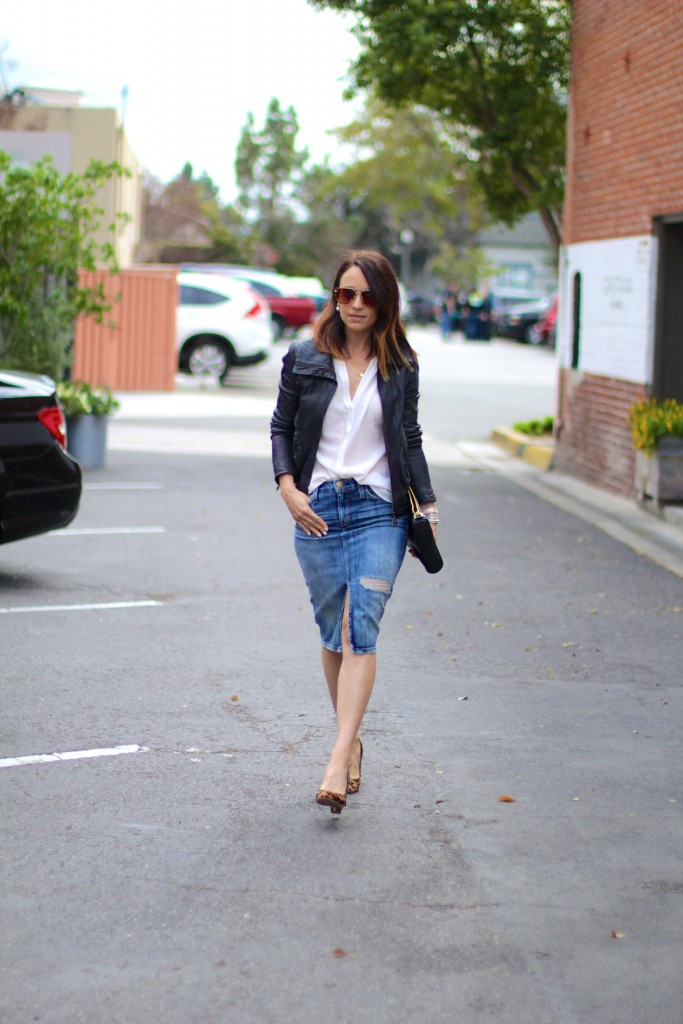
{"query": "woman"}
[(346, 447)]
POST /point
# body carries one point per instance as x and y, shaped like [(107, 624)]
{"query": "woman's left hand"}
[(432, 514)]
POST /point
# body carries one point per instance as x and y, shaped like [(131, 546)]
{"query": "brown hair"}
[(389, 341)]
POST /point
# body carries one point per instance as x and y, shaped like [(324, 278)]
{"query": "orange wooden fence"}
[(134, 348)]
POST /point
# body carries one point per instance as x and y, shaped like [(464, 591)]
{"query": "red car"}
[(288, 310), (544, 329)]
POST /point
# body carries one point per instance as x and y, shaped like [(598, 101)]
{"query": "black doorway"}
[(668, 352)]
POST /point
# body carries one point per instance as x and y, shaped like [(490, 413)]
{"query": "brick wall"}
[(624, 168), (625, 144), (594, 441)]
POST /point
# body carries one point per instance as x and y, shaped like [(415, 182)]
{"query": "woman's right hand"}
[(299, 507)]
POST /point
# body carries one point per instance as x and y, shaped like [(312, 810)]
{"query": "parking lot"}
[(184, 873)]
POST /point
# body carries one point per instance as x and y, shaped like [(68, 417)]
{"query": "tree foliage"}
[(269, 167), (47, 225), (185, 219), (268, 164), (495, 70), (408, 175), (402, 173)]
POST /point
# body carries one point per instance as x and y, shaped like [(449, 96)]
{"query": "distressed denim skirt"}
[(360, 555)]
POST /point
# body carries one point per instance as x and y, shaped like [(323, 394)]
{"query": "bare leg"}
[(332, 662), (354, 683)]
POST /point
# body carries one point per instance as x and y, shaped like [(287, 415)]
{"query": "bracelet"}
[(432, 515)]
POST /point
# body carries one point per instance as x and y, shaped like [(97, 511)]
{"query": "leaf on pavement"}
[(234, 697), (339, 952), (506, 799), (617, 935)]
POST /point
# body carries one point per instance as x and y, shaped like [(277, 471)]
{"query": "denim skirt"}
[(360, 555)]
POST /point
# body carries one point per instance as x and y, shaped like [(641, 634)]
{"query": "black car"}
[(421, 309), (519, 322), (40, 484)]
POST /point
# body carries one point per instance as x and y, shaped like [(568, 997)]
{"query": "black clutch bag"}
[(420, 537)]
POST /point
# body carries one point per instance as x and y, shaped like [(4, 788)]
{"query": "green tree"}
[(47, 222), (495, 70), (268, 167), (407, 174), (184, 221), (403, 173)]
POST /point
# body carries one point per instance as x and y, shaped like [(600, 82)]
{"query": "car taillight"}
[(255, 310), (53, 419)]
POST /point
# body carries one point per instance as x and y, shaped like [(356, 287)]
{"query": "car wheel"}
[(532, 335), (278, 326), (209, 358)]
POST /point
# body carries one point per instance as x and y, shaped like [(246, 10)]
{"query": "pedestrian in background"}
[(448, 316), (346, 446), (472, 315), (485, 311)]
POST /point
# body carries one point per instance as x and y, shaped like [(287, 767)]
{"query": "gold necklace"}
[(357, 372)]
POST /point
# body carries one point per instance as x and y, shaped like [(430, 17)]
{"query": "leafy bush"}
[(47, 234), (535, 428), (654, 418), (79, 399)]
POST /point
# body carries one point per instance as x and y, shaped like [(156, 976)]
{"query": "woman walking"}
[(346, 446)]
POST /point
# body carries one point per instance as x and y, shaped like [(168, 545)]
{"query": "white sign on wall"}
[(617, 307)]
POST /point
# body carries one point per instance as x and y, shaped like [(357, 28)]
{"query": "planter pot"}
[(86, 440), (660, 475)]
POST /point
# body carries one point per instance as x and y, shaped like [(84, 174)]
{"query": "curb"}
[(536, 451)]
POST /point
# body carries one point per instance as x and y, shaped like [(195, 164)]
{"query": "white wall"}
[(617, 306), (26, 148)]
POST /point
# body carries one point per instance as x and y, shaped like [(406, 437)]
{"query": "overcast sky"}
[(193, 70)]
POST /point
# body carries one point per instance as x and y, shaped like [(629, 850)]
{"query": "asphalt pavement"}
[(514, 853)]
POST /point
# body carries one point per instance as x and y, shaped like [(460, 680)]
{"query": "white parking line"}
[(71, 755), (104, 606), (96, 531), (123, 487)]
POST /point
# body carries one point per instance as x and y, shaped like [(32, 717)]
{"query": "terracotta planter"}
[(659, 475), (86, 440)]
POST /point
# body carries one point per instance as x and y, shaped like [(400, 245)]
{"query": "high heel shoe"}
[(335, 801), (353, 782)]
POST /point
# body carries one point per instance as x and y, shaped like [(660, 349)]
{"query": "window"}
[(264, 289), (191, 295)]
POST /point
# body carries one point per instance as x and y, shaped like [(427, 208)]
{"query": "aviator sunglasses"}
[(345, 295)]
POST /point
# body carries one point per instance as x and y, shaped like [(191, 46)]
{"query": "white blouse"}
[(352, 440)]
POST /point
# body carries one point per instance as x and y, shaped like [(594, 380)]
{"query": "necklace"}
[(358, 373)]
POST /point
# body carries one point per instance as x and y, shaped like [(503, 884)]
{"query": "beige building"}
[(52, 122)]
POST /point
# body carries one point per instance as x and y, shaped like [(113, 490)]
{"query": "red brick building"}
[(621, 274)]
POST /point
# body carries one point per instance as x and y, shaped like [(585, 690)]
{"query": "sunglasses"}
[(345, 295)]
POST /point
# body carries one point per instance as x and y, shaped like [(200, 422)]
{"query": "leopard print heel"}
[(335, 801)]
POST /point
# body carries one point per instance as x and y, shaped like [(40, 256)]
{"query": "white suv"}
[(221, 322)]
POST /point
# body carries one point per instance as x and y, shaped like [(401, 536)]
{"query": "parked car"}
[(40, 483), (221, 323), (519, 322), (505, 299), (289, 311), (545, 328), (310, 288), (421, 309)]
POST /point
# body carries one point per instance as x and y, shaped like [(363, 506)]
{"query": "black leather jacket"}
[(307, 384)]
